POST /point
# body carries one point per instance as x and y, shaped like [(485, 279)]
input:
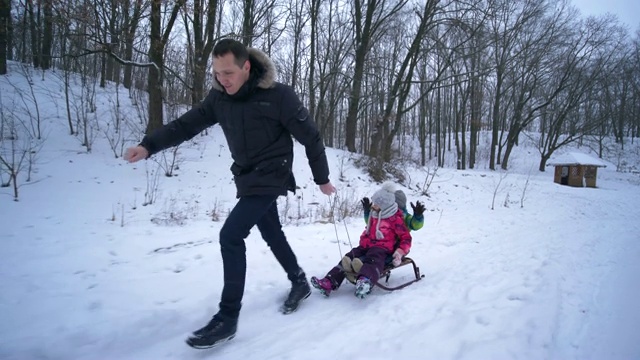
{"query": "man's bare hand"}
[(327, 188), (136, 153)]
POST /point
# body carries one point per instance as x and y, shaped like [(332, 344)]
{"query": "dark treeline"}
[(376, 74)]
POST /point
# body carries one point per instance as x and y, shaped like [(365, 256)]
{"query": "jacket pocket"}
[(268, 177), (279, 165), (238, 170)]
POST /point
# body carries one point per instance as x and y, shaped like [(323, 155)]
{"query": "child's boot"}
[(325, 285), (356, 264), (363, 287), (346, 264), (349, 271)]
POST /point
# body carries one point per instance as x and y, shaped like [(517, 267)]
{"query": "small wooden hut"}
[(576, 169)]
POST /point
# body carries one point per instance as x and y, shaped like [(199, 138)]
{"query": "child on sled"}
[(386, 234), (414, 222)]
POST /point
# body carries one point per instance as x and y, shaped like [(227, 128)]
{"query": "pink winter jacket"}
[(394, 230)]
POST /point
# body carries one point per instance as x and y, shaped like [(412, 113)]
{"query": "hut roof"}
[(575, 158)]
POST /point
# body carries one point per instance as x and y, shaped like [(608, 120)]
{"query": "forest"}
[(392, 80)]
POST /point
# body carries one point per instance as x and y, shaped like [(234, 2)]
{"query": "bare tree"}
[(423, 114), (469, 71), (131, 19), (47, 34), (5, 24), (34, 30), (476, 96), (591, 55), (398, 93), (530, 70), (330, 83), (314, 13), (508, 17), (200, 41), (18, 146), (299, 18), (84, 106), (28, 104), (370, 18), (256, 21), (64, 33), (158, 40)]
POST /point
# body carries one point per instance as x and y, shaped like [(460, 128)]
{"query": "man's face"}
[(229, 74)]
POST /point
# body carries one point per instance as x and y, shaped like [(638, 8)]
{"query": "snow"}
[(86, 274), (576, 158)]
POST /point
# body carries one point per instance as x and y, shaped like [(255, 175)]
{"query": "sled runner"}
[(386, 273)]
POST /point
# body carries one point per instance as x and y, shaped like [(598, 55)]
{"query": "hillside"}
[(516, 266)]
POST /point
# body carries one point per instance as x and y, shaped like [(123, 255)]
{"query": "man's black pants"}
[(260, 210)]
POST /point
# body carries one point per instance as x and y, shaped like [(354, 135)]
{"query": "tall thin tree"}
[(369, 18), (5, 21), (156, 56)]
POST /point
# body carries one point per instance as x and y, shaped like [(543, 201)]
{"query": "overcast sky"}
[(628, 11)]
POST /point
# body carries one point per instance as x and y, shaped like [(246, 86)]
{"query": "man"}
[(258, 116)]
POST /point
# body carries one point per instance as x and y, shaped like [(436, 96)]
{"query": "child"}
[(385, 234), (413, 221)]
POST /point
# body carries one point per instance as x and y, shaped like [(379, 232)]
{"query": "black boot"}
[(300, 290), (217, 331)]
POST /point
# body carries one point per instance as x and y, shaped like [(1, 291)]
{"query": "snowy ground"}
[(86, 274)]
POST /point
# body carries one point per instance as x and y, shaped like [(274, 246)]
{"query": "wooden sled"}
[(386, 273)]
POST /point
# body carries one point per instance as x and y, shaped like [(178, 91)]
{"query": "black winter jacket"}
[(258, 122)]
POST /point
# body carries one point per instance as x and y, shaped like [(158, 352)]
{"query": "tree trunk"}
[(10, 42), (543, 163), (47, 35), (622, 112), (112, 44), (156, 50), (130, 27), (363, 38), (300, 18), (204, 42), (422, 121), (314, 13), (103, 70), (22, 54), (438, 120), (156, 56), (401, 87), (5, 18), (495, 123), (33, 29), (248, 23), (476, 111)]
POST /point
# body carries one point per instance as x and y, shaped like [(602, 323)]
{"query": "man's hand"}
[(327, 188), (136, 153)]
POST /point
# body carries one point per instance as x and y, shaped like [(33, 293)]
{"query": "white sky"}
[(86, 274), (628, 11)]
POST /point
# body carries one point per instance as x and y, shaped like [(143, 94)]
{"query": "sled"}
[(386, 273)]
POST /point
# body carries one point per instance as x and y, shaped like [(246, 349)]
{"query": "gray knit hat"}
[(384, 198), (401, 199)]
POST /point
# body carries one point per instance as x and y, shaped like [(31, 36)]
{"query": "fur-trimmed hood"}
[(261, 66)]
